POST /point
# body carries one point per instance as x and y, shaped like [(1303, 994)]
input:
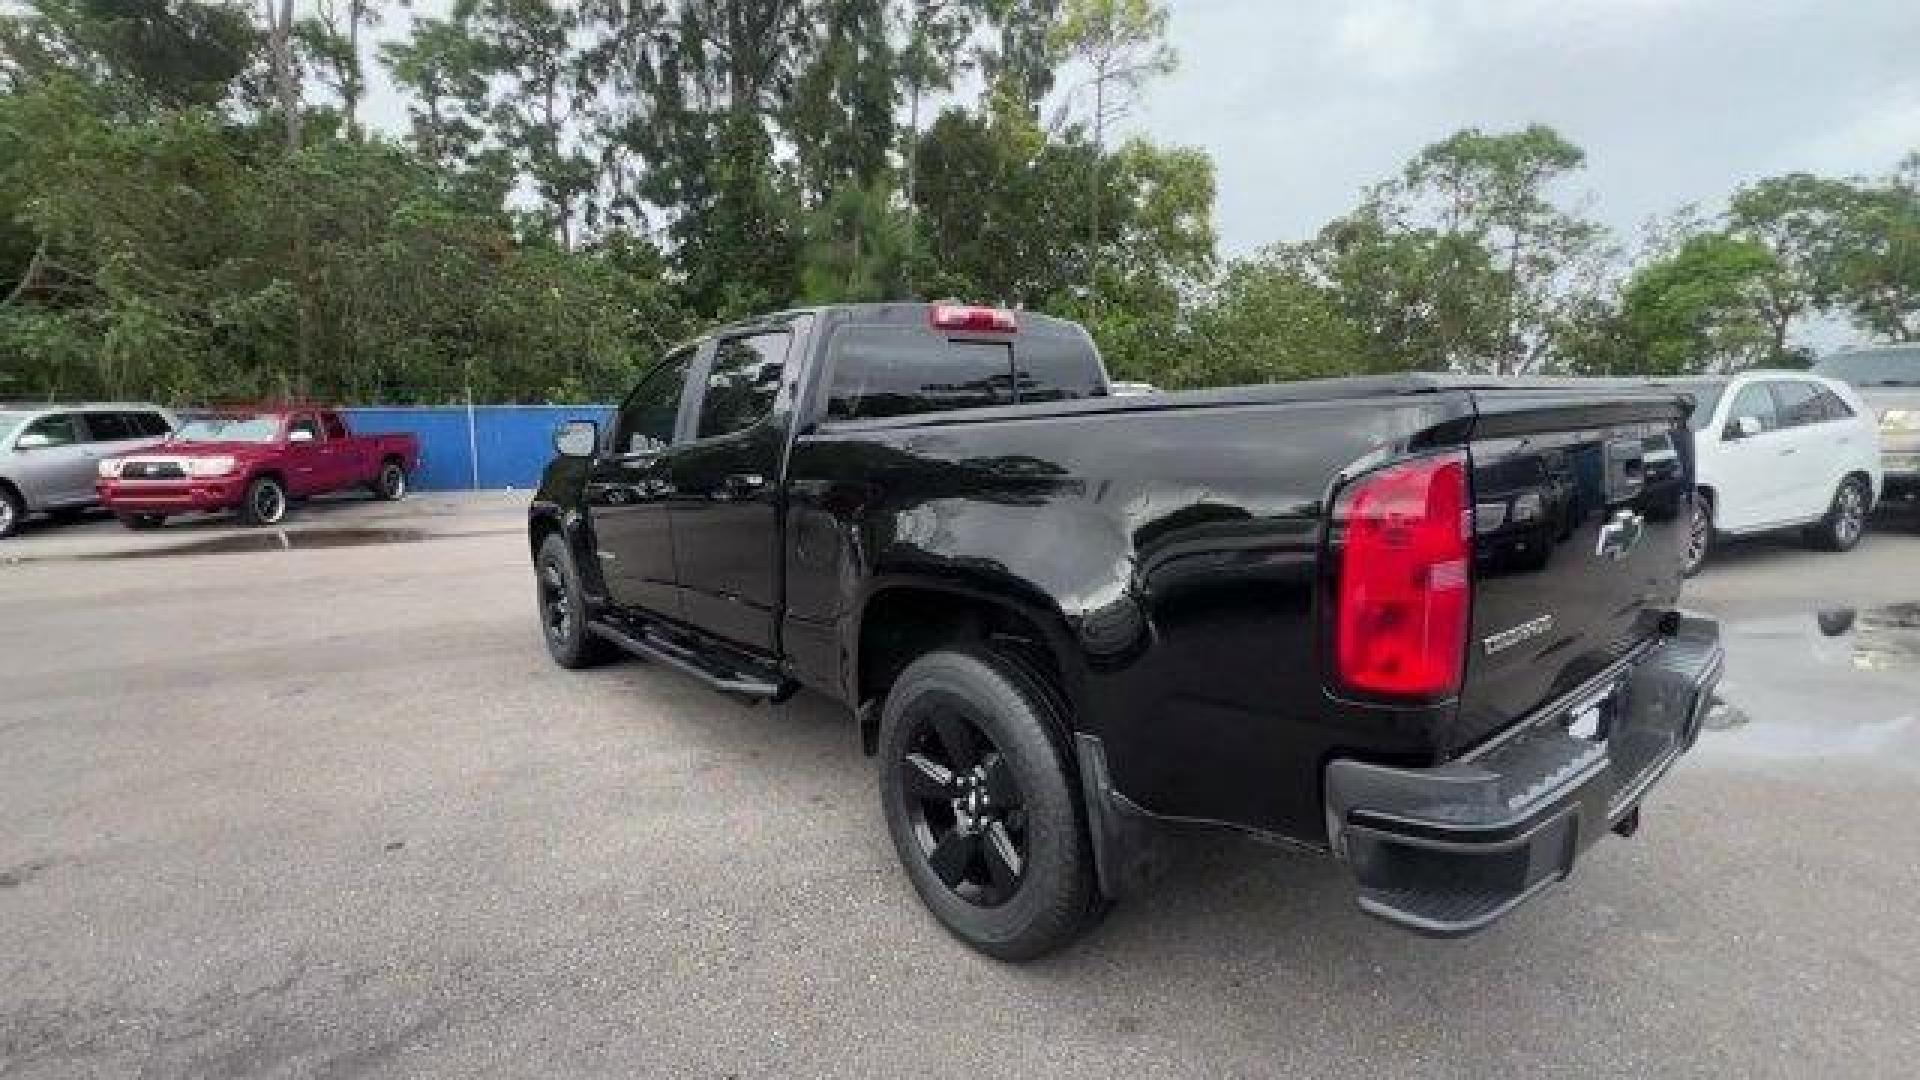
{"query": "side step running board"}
[(675, 655)]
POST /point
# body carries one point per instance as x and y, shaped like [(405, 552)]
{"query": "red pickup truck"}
[(254, 461)]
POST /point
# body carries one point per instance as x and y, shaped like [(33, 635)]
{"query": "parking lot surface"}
[(315, 803)]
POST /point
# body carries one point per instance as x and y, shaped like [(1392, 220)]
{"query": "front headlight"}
[(1900, 420), (110, 468), (202, 468)]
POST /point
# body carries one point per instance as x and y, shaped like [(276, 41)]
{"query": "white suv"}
[(1781, 450)]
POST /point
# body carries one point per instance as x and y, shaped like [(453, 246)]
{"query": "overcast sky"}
[(1302, 103)]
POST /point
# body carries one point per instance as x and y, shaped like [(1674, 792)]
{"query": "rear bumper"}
[(1446, 851), (171, 496)]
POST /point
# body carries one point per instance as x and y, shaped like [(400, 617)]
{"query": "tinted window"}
[(111, 427), (1836, 406), (1057, 363), (1880, 367), (647, 417), (152, 423), (1799, 403), (742, 383), (59, 430), (897, 371), (304, 422), (1706, 397), (1756, 402), (336, 428)]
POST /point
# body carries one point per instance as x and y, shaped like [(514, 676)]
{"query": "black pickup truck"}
[(1422, 624)]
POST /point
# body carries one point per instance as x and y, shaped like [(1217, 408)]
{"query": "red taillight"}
[(978, 319), (1404, 580)]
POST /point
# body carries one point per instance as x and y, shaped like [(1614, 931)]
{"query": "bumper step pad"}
[(1446, 851)]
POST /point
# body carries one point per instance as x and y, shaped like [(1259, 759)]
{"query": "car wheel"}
[(266, 502), (12, 512), (563, 609), (1846, 520), (1699, 535), (391, 484), (142, 521), (983, 813)]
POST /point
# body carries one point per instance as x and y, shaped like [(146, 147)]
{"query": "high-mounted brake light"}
[(979, 319), (1405, 580)]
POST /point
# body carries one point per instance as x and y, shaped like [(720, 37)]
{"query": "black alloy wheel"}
[(969, 817), (982, 806), (562, 606), (556, 607)]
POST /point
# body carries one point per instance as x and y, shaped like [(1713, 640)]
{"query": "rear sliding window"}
[(899, 371), (880, 371)]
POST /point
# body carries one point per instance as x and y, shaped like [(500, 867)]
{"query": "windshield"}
[(1880, 367), (9, 421), (1706, 397), (250, 428)]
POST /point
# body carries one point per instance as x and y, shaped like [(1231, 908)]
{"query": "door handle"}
[(1785, 450), (741, 485)]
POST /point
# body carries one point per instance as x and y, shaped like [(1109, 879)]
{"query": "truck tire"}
[(391, 483), (265, 504), (983, 813), (563, 609), (1699, 536), (142, 521), (1846, 519), (13, 511)]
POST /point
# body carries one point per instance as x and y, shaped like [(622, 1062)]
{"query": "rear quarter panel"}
[(1170, 554)]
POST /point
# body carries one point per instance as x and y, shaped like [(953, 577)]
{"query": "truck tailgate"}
[(1579, 508)]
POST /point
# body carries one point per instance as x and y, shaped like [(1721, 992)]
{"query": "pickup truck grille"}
[(152, 470)]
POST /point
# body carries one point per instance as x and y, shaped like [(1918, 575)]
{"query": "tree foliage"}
[(193, 207)]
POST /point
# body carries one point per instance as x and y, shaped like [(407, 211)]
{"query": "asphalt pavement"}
[(314, 803)]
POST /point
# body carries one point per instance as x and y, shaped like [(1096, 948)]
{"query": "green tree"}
[(1269, 319), (1806, 221), (1702, 308), (1877, 276), (1019, 59), (332, 38), (1123, 44), (541, 91), (169, 54), (1493, 192)]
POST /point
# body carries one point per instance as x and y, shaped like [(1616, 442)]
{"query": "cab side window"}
[(1835, 405), (1756, 401), (59, 430), (647, 418), (336, 428), (742, 383), (111, 427), (304, 422), (1799, 404)]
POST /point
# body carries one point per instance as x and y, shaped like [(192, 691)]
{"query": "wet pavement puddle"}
[(1835, 682), (274, 540)]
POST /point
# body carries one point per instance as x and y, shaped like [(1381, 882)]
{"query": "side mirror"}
[(1744, 427), (32, 440), (576, 438), (299, 435)]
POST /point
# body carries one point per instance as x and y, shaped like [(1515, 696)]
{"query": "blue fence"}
[(505, 446)]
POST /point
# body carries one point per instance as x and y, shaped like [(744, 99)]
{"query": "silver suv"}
[(50, 454)]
